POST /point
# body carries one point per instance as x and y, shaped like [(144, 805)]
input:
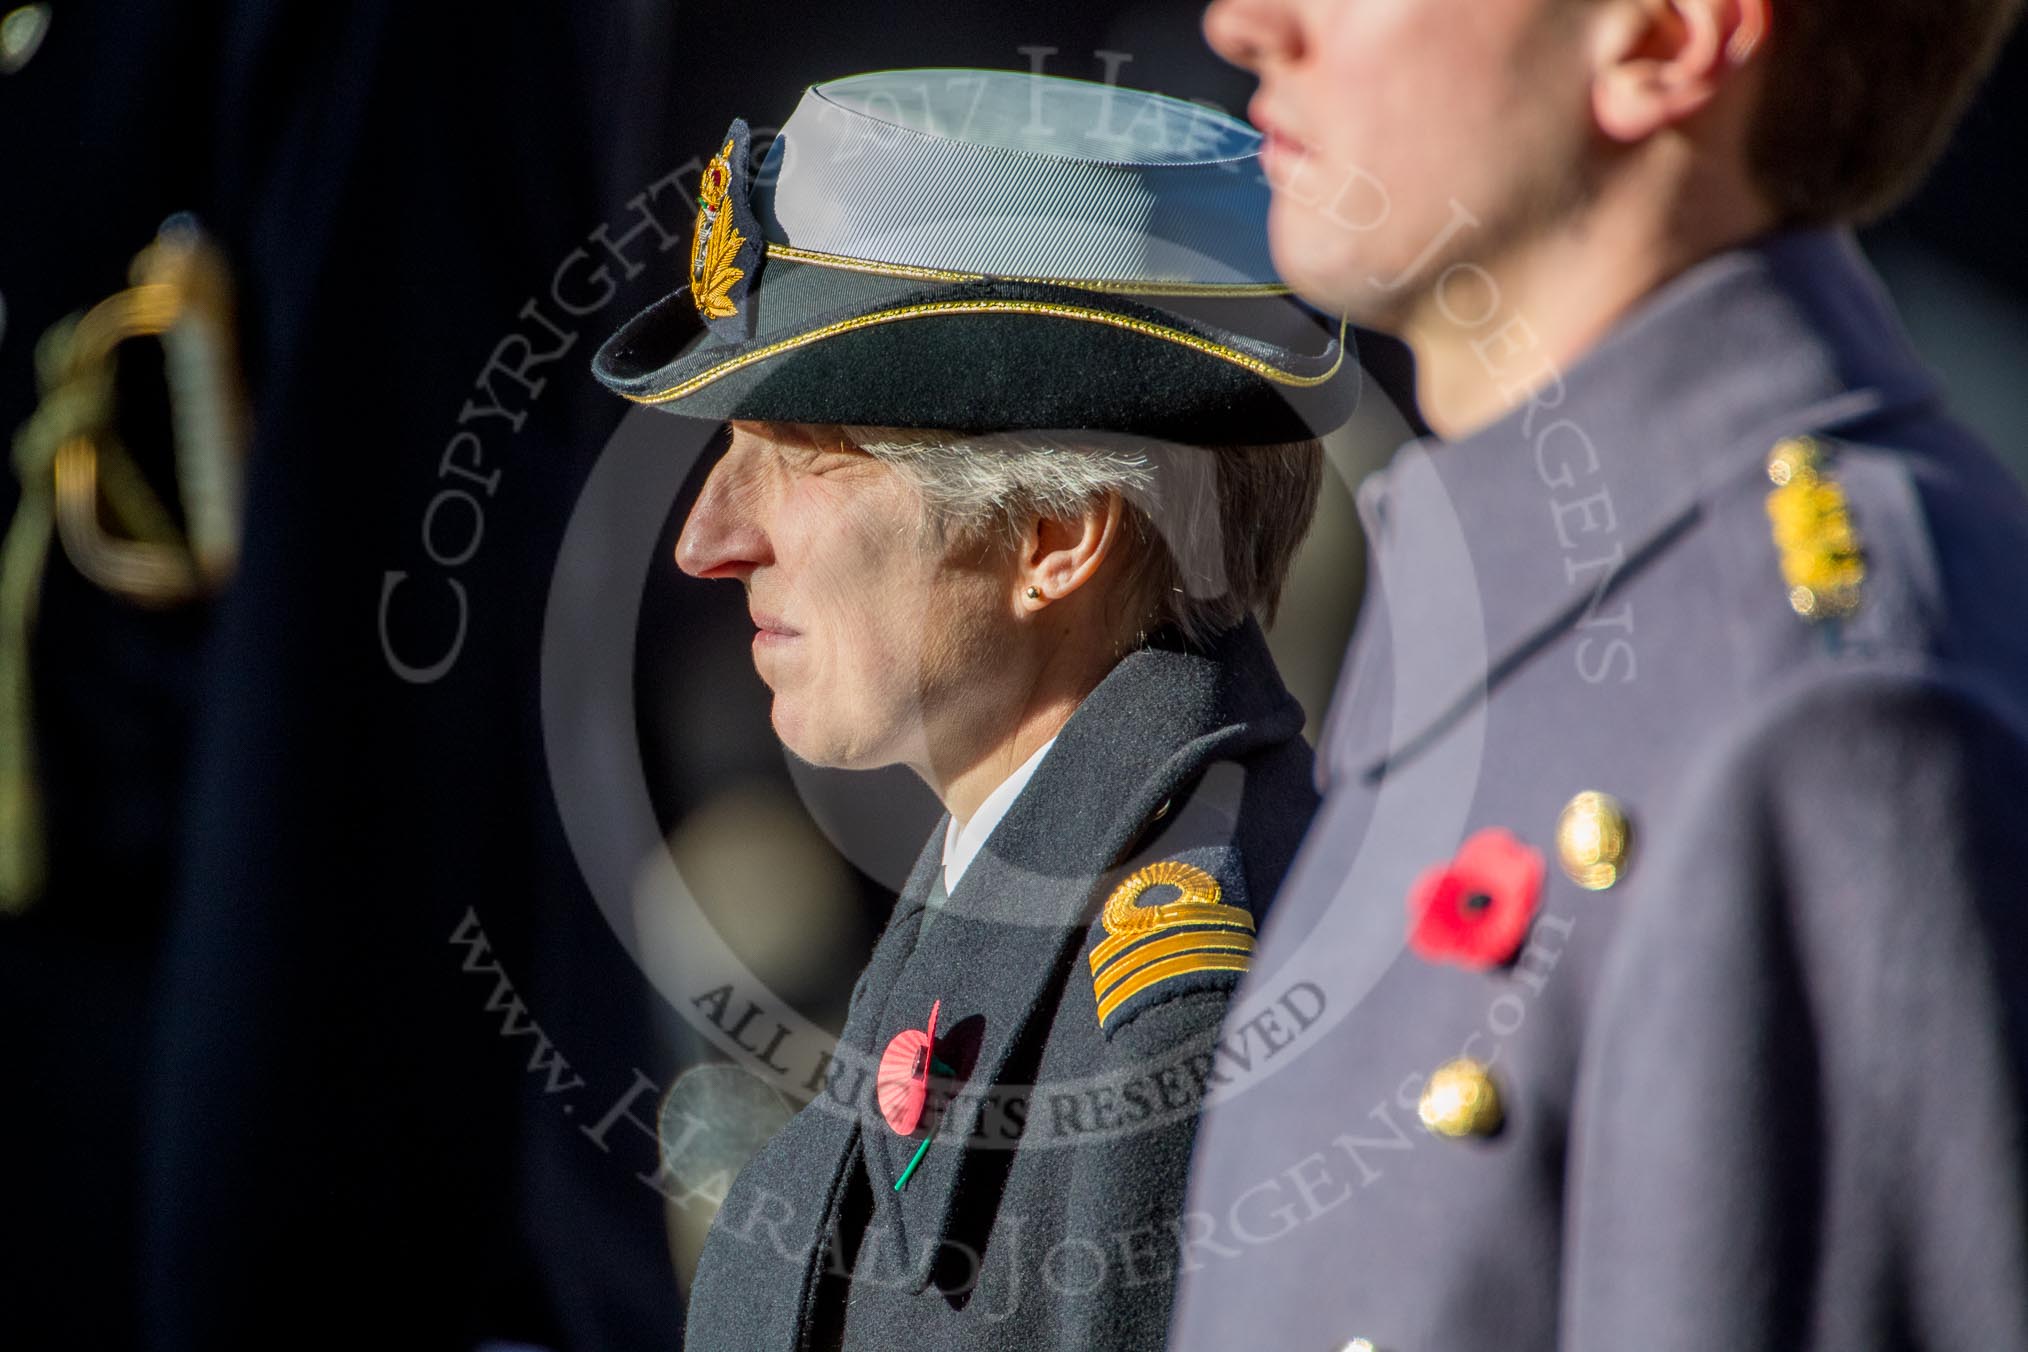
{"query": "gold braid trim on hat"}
[(1049, 309), (1113, 286)]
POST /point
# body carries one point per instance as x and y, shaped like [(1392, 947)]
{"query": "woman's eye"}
[(835, 462)]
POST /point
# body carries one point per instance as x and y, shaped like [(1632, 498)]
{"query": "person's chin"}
[(1338, 272), (1315, 255), (805, 738), (815, 739)]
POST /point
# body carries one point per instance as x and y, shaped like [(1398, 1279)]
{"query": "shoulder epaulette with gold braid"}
[(1820, 555), (1146, 946)]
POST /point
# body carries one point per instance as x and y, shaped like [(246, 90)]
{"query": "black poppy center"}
[(1477, 901)]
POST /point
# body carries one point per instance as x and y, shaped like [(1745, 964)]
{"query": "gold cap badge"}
[(715, 242)]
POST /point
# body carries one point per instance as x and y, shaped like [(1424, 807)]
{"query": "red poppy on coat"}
[(1475, 910), (902, 1083)]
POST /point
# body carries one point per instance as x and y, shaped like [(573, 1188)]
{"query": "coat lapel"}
[(822, 1142)]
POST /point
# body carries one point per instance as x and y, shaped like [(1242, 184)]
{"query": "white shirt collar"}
[(962, 845)]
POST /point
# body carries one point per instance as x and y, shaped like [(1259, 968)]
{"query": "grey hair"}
[(1212, 529)]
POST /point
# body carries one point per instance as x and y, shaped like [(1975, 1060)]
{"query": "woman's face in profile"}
[(871, 634)]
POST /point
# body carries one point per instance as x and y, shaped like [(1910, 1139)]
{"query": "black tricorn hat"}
[(988, 251)]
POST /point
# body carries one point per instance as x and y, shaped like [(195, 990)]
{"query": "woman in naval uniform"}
[(1022, 445)]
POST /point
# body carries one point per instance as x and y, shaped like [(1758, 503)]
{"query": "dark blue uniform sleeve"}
[(1161, 1057), (1802, 1123)]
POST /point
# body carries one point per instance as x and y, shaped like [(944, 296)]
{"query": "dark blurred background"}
[(310, 1032)]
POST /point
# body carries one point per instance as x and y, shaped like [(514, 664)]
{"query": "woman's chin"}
[(790, 731), (807, 739), (815, 739)]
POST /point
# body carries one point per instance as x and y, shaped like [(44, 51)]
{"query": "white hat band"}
[(1008, 175)]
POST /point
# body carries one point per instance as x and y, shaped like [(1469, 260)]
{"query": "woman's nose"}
[(1253, 33), (725, 535)]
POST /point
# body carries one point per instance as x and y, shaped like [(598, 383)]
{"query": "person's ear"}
[(1060, 555), (1658, 63)]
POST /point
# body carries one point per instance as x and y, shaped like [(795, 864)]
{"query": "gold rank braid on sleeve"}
[(1146, 946)]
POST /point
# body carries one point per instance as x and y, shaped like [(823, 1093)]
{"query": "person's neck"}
[(1559, 293), (999, 747), (964, 792)]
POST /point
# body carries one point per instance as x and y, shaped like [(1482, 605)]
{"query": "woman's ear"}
[(1657, 63), (1058, 556)]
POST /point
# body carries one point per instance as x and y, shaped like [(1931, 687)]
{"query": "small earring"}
[(1034, 593)]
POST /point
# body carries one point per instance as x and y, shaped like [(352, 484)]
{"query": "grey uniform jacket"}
[(1043, 1213), (1760, 1082)]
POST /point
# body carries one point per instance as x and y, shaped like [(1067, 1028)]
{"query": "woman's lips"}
[(769, 630)]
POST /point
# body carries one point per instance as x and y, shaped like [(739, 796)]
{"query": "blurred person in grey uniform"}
[(1666, 896), (1023, 441)]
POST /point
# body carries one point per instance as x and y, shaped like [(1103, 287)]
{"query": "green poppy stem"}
[(902, 1182)]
